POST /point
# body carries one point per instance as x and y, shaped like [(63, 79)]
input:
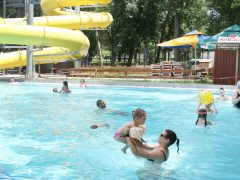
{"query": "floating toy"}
[(206, 97)]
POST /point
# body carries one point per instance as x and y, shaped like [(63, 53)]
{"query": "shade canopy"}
[(191, 39), (229, 37)]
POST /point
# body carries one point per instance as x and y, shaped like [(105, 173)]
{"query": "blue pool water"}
[(45, 135)]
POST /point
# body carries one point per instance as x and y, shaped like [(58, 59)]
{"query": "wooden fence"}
[(131, 72)]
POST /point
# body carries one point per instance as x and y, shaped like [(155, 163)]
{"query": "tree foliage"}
[(139, 25)]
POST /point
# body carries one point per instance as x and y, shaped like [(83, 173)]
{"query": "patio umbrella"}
[(229, 37), (191, 39)]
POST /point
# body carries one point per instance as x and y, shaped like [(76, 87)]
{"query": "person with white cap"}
[(236, 96)]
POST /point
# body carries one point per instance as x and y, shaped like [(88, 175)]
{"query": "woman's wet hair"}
[(138, 113), (202, 113), (65, 83), (222, 89), (171, 135)]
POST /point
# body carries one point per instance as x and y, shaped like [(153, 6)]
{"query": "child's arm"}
[(199, 105), (215, 109)]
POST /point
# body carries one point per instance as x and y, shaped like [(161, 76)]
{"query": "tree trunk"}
[(176, 35), (113, 47), (130, 57), (119, 56), (145, 53), (135, 58), (99, 49), (157, 60)]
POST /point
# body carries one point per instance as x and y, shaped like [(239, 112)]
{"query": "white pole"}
[(77, 63), (195, 57), (236, 72), (30, 10)]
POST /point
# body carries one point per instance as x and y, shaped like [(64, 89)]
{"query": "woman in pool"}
[(202, 118), (65, 88), (139, 117), (236, 96), (157, 153), (222, 96)]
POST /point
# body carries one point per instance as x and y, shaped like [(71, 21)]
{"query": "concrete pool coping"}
[(134, 83), (169, 83)]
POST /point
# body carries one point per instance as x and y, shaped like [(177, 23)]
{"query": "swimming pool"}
[(45, 135)]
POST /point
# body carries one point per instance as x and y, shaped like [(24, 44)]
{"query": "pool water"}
[(45, 135)]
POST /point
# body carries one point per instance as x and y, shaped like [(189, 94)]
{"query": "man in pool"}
[(236, 96), (158, 153), (101, 104)]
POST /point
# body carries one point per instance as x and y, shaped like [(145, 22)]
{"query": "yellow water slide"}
[(60, 28)]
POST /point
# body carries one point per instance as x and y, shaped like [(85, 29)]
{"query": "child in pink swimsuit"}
[(139, 117), (202, 118)]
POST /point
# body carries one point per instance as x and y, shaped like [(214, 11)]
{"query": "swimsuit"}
[(238, 104), (165, 157), (117, 134)]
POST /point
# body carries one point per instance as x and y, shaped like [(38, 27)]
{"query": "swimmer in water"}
[(97, 125), (202, 118), (158, 153), (236, 96), (139, 117), (65, 88), (101, 104), (83, 83), (55, 90), (12, 81), (222, 96)]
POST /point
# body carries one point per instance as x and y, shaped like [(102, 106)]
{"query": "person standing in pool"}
[(202, 118), (139, 117), (65, 88), (222, 96), (236, 96), (83, 83), (158, 153)]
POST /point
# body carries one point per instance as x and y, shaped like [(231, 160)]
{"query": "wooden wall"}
[(225, 67)]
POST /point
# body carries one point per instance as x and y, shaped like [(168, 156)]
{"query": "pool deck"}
[(120, 82)]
